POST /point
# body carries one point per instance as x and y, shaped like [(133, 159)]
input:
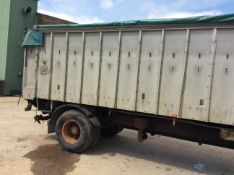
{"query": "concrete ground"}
[(26, 148)]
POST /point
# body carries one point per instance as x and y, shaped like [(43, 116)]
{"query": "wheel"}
[(111, 131), (74, 131)]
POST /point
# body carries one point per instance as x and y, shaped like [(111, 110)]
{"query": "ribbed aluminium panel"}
[(91, 68), (197, 85), (129, 60), (184, 73), (149, 73), (222, 96), (30, 73), (59, 67), (44, 68), (172, 72), (74, 67), (109, 69)]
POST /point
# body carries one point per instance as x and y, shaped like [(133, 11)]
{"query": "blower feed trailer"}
[(172, 77)]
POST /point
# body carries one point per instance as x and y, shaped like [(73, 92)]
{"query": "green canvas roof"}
[(223, 19), (35, 37)]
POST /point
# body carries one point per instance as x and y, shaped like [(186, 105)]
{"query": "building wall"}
[(4, 18), (46, 19), (18, 22)]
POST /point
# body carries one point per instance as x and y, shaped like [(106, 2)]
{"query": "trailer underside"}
[(196, 131)]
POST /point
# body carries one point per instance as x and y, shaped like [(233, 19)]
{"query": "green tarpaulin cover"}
[(36, 37), (229, 18)]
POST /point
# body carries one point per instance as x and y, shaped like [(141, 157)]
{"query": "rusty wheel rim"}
[(71, 131)]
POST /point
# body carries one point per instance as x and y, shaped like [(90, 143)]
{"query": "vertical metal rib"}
[(36, 72), (212, 63), (118, 69), (161, 68), (82, 68), (185, 72), (66, 67), (51, 63), (138, 69), (100, 66)]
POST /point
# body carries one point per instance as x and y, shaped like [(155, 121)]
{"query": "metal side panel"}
[(151, 54), (30, 73), (197, 84), (128, 71), (91, 68), (222, 102), (172, 72), (74, 69), (59, 67), (44, 72), (109, 68)]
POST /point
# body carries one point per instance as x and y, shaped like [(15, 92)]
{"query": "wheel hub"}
[(74, 130), (71, 131)]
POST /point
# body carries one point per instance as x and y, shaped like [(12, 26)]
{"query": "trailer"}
[(171, 77)]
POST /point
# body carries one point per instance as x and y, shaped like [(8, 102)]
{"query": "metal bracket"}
[(142, 135), (39, 118)]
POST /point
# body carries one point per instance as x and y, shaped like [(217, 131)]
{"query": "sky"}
[(93, 11)]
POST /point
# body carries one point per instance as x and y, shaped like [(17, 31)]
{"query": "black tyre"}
[(96, 130), (111, 131), (74, 131)]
